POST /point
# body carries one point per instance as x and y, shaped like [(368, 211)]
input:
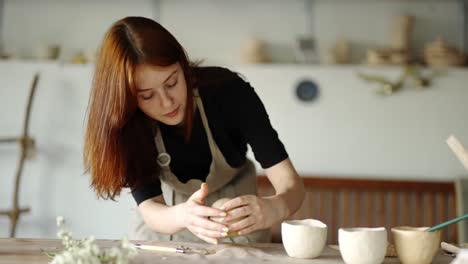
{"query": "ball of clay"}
[(218, 204)]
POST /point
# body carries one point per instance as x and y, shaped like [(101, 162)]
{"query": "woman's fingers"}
[(247, 213), (208, 239), (208, 230), (237, 202), (206, 211), (238, 213), (247, 230), (209, 233), (198, 222), (204, 223), (200, 195), (244, 223)]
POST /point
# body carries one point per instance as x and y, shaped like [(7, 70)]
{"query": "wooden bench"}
[(342, 202)]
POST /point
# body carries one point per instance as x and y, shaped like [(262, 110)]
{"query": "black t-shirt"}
[(236, 117)]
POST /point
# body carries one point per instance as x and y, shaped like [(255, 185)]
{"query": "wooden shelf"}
[(56, 63)]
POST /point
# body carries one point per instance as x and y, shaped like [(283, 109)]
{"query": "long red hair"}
[(119, 150)]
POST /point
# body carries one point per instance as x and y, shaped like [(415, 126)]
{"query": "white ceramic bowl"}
[(363, 245), (304, 238), (414, 245)]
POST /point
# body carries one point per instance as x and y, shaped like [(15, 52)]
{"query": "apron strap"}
[(163, 159), (220, 172), (204, 119)]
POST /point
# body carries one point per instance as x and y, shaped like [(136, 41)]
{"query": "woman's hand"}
[(260, 213), (195, 217), (250, 213)]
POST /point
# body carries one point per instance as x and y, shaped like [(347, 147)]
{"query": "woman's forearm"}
[(287, 202), (289, 189), (160, 217)]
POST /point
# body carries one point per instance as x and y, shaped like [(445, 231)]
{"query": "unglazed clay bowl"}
[(414, 245), (304, 238), (363, 245)]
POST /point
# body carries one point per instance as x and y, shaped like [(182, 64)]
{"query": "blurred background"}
[(359, 89)]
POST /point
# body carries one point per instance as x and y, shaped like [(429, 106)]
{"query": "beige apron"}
[(223, 181)]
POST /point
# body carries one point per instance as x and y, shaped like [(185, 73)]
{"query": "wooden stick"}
[(458, 149), (26, 143), (23, 153)]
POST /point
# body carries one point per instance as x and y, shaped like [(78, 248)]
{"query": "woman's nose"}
[(166, 99)]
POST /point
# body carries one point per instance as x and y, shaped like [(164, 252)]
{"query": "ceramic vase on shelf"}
[(441, 53), (338, 53), (398, 52), (47, 52), (254, 52), (306, 50)]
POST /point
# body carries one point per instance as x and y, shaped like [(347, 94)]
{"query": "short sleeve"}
[(146, 192), (248, 113)]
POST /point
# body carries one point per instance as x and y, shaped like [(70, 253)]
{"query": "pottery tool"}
[(162, 249), (449, 248), (178, 249), (458, 149), (445, 224)]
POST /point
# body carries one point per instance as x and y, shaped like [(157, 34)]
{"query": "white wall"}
[(30, 26), (217, 30), (348, 132), (53, 183), (351, 131)]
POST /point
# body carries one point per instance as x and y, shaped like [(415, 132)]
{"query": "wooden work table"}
[(30, 251)]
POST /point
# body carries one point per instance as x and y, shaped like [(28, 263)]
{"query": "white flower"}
[(58, 259), (63, 234), (68, 257), (86, 251), (131, 248), (60, 221)]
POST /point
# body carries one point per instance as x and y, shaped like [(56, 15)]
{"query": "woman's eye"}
[(172, 84), (147, 97)]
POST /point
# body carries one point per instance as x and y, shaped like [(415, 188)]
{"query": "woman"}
[(176, 134)]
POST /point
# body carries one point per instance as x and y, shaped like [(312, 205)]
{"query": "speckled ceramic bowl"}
[(414, 245)]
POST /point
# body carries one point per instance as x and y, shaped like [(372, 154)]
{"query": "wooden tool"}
[(178, 249), (161, 249), (449, 247), (458, 149), (445, 224)]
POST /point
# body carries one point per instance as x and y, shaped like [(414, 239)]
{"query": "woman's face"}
[(162, 92)]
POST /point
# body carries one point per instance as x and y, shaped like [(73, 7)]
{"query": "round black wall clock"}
[(307, 90)]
